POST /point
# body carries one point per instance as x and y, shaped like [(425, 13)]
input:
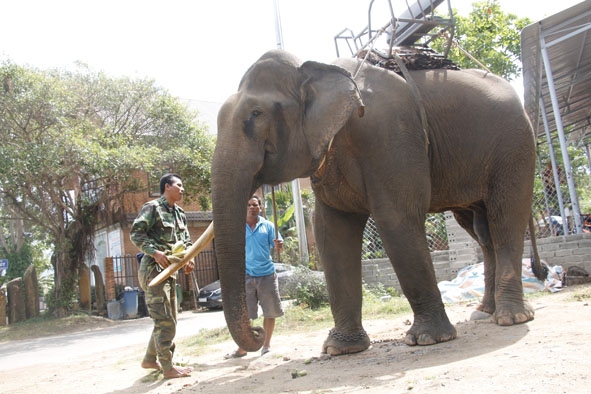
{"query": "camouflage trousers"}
[(162, 308)]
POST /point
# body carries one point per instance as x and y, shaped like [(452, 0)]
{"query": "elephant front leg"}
[(430, 328), (409, 253), (339, 342), (431, 324), (339, 237)]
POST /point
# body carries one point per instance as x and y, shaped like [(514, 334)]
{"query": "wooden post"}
[(16, 302), (99, 291), (275, 221), (31, 292), (3, 321)]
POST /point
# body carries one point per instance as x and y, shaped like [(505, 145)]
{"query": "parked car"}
[(210, 296)]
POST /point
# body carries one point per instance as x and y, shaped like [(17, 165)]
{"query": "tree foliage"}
[(71, 144), (491, 36), (17, 245)]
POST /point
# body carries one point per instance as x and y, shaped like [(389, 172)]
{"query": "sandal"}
[(235, 354)]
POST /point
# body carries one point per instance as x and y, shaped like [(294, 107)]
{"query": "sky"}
[(196, 49)]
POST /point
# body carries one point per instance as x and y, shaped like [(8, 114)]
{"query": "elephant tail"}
[(539, 270)]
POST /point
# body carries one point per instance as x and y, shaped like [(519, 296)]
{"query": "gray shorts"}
[(263, 290)]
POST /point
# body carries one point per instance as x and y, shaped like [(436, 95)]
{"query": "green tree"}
[(489, 35), (18, 246), (70, 143), (284, 208)]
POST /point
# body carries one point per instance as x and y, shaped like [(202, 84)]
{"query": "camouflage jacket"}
[(158, 227)]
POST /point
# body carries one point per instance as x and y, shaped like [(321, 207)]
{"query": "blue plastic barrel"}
[(130, 303)]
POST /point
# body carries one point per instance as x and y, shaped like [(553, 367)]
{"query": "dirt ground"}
[(550, 354)]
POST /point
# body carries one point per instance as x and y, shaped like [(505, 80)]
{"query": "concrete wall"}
[(565, 251)]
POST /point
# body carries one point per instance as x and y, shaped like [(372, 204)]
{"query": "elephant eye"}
[(248, 126)]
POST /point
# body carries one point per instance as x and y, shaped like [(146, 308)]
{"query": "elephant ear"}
[(329, 96)]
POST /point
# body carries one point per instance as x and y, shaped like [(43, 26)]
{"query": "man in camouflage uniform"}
[(160, 224)]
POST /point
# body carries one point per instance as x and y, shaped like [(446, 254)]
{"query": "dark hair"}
[(258, 199), (167, 179)]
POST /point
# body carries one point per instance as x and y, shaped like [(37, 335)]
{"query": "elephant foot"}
[(429, 331), (516, 313), (487, 305), (338, 343)]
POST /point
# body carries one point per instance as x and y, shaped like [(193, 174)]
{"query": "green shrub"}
[(378, 290), (67, 301), (306, 288)]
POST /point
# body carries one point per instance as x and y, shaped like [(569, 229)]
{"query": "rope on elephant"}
[(417, 95)]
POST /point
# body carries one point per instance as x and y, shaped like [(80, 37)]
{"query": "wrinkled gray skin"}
[(478, 162)]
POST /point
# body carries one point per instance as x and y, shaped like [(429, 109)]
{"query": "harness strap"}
[(416, 94), (407, 76)]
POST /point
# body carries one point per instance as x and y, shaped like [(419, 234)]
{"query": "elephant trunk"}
[(230, 193)]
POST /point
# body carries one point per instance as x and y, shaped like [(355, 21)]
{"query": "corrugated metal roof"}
[(566, 37)]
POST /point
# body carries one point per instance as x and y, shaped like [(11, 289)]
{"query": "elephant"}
[(372, 146)]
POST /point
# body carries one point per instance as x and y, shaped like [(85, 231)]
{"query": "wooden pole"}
[(275, 221), (193, 251)]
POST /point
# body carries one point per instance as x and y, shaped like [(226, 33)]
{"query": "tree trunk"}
[(65, 280)]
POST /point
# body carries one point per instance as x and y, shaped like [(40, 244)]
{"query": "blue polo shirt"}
[(258, 248)]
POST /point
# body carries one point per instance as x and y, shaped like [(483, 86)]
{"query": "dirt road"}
[(550, 354)]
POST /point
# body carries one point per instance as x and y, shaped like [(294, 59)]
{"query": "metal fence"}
[(125, 269), (552, 216), (436, 237), (552, 205), (206, 267), (125, 273)]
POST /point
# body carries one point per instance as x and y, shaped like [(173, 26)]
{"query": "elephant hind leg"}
[(476, 224), (501, 240)]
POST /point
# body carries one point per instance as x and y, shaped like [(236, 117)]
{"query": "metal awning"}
[(556, 56), (566, 38)]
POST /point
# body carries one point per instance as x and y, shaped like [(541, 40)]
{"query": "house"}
[(115, 254)]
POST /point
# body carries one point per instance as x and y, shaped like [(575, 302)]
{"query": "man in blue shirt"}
[(261, 280)]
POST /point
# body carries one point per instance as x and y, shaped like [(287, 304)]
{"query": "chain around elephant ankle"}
[(333, 333)]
